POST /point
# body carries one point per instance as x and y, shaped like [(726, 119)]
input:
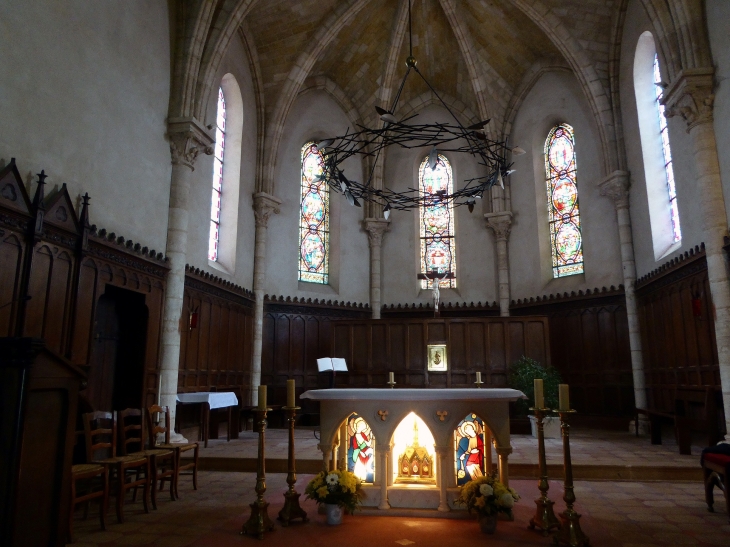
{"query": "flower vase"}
[(334, 513), (488, 523)]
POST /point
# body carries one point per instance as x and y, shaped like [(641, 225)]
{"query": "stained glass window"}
[(438, 245), (313, 219), (215, 202), (469, 447), (667, 151), (562, 192), (360, 457)]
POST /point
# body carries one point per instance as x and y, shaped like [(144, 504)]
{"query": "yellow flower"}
[(322, 492), (480, 502)]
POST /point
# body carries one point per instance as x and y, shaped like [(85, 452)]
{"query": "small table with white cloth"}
[(210, 400)]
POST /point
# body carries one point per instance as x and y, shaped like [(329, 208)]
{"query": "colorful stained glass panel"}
[(438, 245), (360, 455), (215, 202), (469, 446), (562, 187), (313, 219)]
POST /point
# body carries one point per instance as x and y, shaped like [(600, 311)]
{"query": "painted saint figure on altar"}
[(360, 459), (469, 440)]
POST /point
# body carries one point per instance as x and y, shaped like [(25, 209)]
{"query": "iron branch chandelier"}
[(439, 137)]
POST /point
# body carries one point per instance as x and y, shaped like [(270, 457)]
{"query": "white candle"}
[(262, 398), (539, 399), (564, 394), (291, 400), (391, 378), (479, 376)]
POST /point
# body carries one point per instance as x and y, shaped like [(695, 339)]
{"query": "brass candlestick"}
[(291, 509), (544, 518), (259, 521), (570, 532)]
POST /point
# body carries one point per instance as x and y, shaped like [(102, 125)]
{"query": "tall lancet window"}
[(313, 219), (438, 243), (566, 240), (667, 153), (215, 203)]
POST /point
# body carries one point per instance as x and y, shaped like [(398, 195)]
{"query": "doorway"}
[(116, 377)]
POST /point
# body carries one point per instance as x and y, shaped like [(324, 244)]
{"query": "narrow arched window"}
[(438, 242), (566, 240), (313, 219), (661, 194), (666, 153), (215, 202)]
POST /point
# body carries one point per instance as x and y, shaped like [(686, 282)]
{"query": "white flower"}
[(486, 490), (507, 501), (332, 479)]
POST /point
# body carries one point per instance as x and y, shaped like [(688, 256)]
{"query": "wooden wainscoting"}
[(677, 328), (589, 342), (215, 355)]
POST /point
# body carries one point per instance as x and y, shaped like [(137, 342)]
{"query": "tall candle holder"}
[(570, 532), (259, 521), (544, 518), (478, 383), (292, 510)]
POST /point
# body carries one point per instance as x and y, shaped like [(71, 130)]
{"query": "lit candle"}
[(291, 400), (564, 394), (539, 399), (479, 376), (391, 378), (262, 398)]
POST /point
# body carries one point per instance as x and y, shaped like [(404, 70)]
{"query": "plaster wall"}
[(314, 116), (557, 97), (718, 23), (690, 218), (476, 274), (235, 63), (84, 95)]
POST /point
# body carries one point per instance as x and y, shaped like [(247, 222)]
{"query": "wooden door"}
[(104, 350)]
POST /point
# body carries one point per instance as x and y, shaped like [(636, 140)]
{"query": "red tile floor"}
[(614, 514)]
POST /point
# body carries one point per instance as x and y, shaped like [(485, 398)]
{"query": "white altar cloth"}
[(425, 394), (216, 399)]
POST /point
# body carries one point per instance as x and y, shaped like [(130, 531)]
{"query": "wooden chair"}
[(100, 431), (162, 461), (88, 471), (154, 428)]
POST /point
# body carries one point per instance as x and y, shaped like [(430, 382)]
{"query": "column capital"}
[(263, 206), (188, 138), (616, 186), (691, 96), (500, 223), (503, 450), (376, 228)]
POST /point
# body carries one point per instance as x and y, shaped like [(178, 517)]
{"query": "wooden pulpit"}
[(39, 392)]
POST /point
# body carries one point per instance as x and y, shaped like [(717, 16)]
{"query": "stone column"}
[(376, 228), (501, 223), (263, 206), (442, 453), (187, 140), (691, 97), (328, 451), (383, 452), (503, 453), (616, 187), (343, 446)]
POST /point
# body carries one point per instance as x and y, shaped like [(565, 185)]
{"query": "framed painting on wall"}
[(437, 358)]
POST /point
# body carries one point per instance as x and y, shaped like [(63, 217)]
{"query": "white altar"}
[(439, 410)]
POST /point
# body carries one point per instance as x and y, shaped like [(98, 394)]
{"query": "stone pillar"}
[(503, 453), (616, 186), (501, 223), (343, 446), (187, 140), (442, 453), (376, 228), (263, 206), (327, 453), (383, 452), (691, 97)]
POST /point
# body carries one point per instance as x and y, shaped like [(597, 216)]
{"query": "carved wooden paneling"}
[(677, 328), (215, 355), (589, 342)]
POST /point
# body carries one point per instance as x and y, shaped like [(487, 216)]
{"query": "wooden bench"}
[(695, 408)]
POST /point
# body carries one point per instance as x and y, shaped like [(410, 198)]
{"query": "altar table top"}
[(410, 394), (221, 399)]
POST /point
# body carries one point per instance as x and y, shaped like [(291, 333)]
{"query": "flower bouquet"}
[(488, 497), (340, 489)]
